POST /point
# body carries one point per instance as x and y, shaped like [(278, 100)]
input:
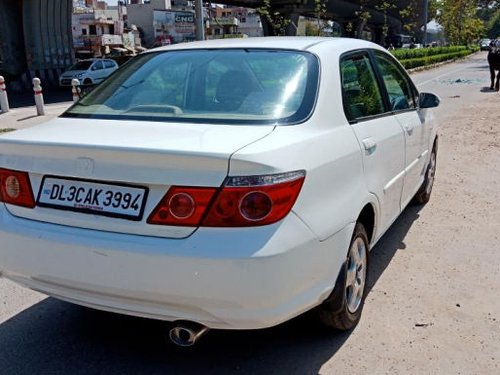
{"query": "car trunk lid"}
[(149, 156)]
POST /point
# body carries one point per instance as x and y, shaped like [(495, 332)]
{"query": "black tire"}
[(87, 82), (342, 309), (424, 193)]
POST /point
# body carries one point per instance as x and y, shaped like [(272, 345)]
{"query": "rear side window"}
[(360, 91), (397, 84), (109, 64)]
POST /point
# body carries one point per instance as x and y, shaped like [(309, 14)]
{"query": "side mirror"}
[(428, 100)]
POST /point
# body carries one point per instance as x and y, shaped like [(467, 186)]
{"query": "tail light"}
[(241, 201), (15, 188), (182, 206)]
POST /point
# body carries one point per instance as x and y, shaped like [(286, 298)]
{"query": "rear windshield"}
[(81, 65), (250, 86)]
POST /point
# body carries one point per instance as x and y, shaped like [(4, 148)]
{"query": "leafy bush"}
[(405, 53), (413, 58), (432, 59)]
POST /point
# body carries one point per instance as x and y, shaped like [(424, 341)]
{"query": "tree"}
[(384, 8), (311, 29), (277, 21), (363, 17), (460, 21), (493, 26), (320, 14), (489, 12), (406, 15)]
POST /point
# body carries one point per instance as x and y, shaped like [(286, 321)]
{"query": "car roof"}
[(94, 59), (293, 43)]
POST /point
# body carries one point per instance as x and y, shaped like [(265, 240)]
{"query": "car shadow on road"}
[(60, 338), (392, 241)]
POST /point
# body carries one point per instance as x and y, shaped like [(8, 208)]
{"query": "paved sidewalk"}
[(23, 117)]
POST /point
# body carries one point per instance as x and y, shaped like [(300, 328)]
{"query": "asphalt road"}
[(434, 283)]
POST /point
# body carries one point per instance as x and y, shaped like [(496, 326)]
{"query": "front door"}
[(403, 103)]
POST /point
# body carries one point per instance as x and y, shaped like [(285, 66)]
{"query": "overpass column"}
[(47, 37), (12, 40)]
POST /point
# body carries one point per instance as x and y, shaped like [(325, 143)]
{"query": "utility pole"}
[(426, 10), (200, 26)]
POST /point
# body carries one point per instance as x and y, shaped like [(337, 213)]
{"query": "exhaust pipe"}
[(187, 333)]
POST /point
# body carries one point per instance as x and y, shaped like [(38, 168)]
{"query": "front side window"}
[(360, 91), (398, 87), (250, 86)]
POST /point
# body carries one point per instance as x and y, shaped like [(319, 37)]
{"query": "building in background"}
[(99, 30), (142, 15), (227, 21), (163, 22), (173, 26)]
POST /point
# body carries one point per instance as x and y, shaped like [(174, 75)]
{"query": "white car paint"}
[(98, 70), (236, 278)]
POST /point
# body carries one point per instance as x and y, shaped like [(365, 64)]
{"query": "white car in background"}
[(88, 72), (229, 184)]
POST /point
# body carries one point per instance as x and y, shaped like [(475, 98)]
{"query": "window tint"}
[(360, 90), (399, 89)]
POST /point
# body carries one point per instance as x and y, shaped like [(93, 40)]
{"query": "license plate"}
[(115, 200)]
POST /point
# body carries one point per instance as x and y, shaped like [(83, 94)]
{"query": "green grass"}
[(5, 130)]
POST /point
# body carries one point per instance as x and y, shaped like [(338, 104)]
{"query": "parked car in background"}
[(484, 44), (229, 184), (89, 71)]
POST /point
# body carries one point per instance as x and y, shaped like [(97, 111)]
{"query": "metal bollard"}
[(4, 100), (76, 89), (37, 88)]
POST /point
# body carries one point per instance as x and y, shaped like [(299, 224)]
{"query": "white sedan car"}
[(88, 72), (229, 184)]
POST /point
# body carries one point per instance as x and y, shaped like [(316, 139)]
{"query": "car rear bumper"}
[(65, 81), (241, 278)]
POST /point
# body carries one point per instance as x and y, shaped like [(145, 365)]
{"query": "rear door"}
[(98, 72), (403, 103), (378, 132), (109, 67)]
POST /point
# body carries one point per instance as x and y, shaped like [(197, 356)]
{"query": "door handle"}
[(408, 128), (369, 144)]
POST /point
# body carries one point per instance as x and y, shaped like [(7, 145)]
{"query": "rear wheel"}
[(342, 310), (424, 193)]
